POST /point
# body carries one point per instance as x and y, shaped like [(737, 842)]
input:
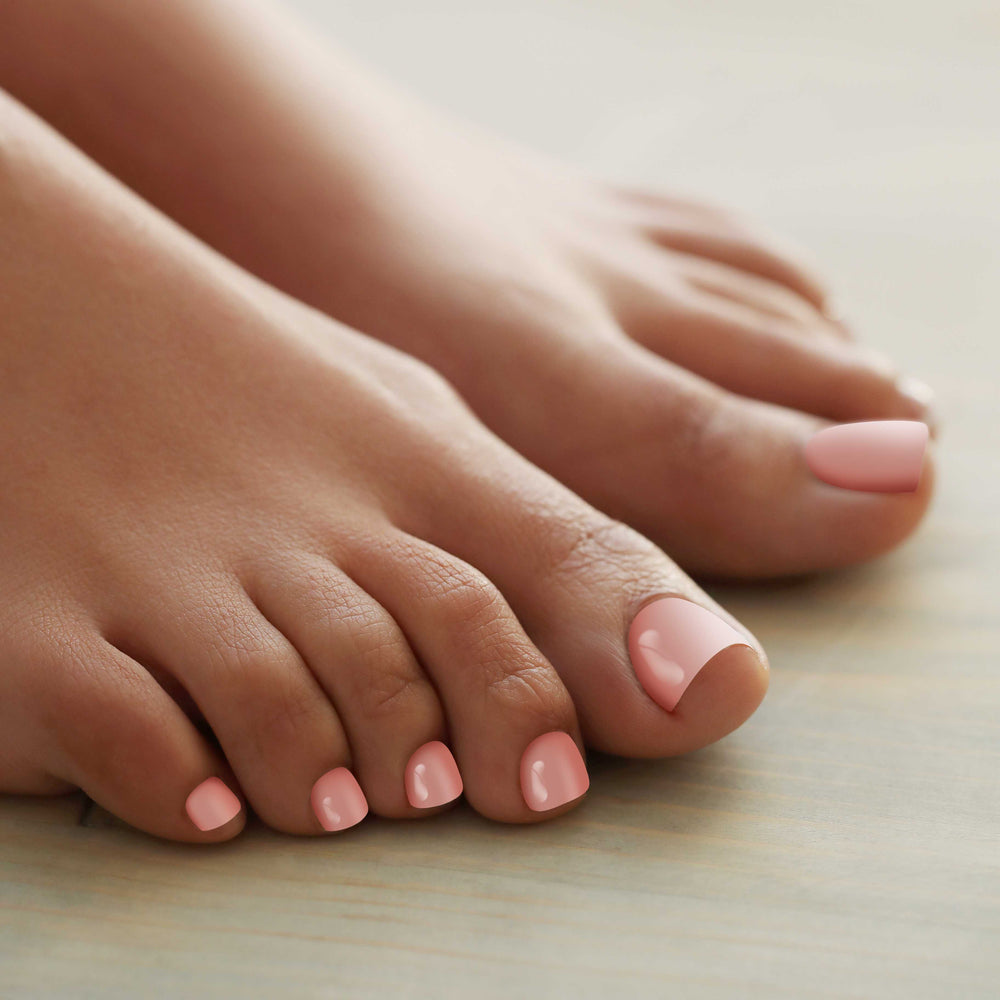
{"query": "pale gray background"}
[(873, 121)]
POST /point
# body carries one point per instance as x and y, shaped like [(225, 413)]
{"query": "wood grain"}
[(844, 843)]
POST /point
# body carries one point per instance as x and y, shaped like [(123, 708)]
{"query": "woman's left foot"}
[(664, 359)]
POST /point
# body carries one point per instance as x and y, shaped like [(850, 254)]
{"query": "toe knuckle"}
[(593, 542), (246, 650), (263, 678), (386, 681), (425, 392), (283, 712), (464, 596), (475, 604), (431, 382), (598, 549), (388, 691), (527, 685)]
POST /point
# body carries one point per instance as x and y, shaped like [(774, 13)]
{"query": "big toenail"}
[(879, 456), (552, 772), (670, 640), (338, 801), (212, 804), (432, 777)]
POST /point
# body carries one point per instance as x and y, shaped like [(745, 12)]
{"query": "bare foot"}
[(666, 360), (221, 507)]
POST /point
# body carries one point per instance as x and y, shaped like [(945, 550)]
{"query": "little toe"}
[(115, 733)]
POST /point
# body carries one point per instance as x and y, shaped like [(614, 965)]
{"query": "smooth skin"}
[(225, 513), (665, 359)]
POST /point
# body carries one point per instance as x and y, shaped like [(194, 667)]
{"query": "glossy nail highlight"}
[(670, 640), (338, 801), (212, 804), (432, 777), (877, 456), (552, 772)]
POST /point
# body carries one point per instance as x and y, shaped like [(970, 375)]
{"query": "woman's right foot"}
[(223, 510)]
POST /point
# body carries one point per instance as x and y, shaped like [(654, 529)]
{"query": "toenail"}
[(670, 640), (338, 801), (212, 804), (552, 772), (432, 777), (880, 456)]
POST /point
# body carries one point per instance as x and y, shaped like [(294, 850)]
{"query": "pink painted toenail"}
[(879, 456), (212, 804), (432, 777), (670, 640), (338, 801), (552, 772)]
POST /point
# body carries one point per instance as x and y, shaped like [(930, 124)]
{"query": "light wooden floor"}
[(845, 842)]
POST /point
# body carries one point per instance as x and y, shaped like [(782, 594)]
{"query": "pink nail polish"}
[(878, 456), (432, 777), (338, 801), (670, 640), (212, 804), (552, 772)]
